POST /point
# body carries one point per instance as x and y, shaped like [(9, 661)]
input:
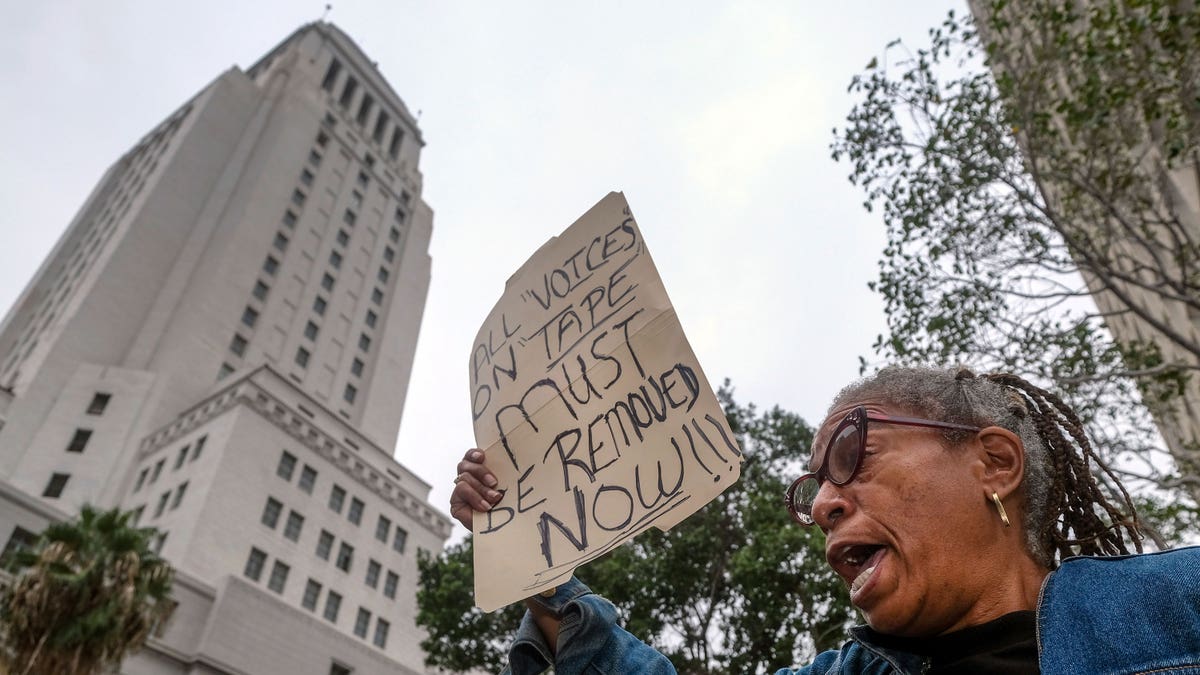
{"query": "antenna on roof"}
[(326, 13)]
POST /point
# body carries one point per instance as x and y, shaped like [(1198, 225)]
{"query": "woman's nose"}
[(830, 505)]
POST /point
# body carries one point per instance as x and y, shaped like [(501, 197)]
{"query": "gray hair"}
[(957, 396)]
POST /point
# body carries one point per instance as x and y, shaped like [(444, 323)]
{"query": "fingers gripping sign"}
[(592, 415)]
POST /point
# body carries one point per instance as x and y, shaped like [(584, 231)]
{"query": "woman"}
[(950, 505)]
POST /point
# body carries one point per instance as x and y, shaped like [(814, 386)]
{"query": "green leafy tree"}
[(83, 597), (1033, 176), (737, 587)]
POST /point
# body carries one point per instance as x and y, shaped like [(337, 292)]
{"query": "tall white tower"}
[(222, 340)]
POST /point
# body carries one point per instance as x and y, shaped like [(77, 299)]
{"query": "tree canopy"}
[(1033, 170), (737, 587), (88, 593)]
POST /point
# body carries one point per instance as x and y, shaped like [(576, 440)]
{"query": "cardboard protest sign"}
[(591, 410)]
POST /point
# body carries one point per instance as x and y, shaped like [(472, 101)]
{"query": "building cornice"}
[(249, 391)]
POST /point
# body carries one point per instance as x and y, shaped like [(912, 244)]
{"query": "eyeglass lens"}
[(840, 460), (842, 457)]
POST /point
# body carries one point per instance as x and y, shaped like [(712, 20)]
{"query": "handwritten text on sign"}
[(591, 409)]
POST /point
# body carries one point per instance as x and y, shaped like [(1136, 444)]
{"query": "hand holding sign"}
[(591, 409)]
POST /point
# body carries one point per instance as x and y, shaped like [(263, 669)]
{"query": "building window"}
[(324, 545), (382, 275), (162, 503), (20, 540), (98, 404), (333, 602), (345, 557), (350, 393), (322, 138), (390, 583), (356, 198), (348, 92), (373, 570), (364, 342), (369, 160), (54, 488), (349, 217), (302, 357), (394, 146), (314, 158), (141, 479), (183, 453), (339, 669), (362, 622), (312, 592), (372, 317), (281, 241), (381, 633), (331, 75), (158, 467), (295, 523), (310, 330), (405, 197), (270, 266), (289, 216), (287, 465), (364, 110), (327, 282), (298, 197), (224, 371), (343, 238), (306, 177), (279, 575), (79, 440), (389, 253), (270, 515), (136, 518), (363, 181), (179, 492), (383, 528), (335, 259), (199, 447), (238, 345), (319, 305), (381, 123), (354, 515), (337, 497), (255, 564), (356, 367), (308, 478), (399, 540), (159, 541), (250, 317), (376, 296)]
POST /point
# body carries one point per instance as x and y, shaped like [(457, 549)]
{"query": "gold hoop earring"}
[(1000, 508)]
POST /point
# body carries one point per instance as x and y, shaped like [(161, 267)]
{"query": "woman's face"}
[(912, 532)]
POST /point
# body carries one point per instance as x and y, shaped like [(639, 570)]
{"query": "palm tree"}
[(86, 595)]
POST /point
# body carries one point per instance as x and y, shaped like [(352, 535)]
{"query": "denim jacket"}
[(1114, 615)]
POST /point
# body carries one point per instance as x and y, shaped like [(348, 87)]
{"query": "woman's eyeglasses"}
[(842, 457)]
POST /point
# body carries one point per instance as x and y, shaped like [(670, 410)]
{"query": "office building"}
[(222, 341)]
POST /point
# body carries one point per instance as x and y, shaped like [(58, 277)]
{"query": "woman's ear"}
[(1003, 457)]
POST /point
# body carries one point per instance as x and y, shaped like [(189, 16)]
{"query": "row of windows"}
[(148, 475), (256, 564), (118, 193), (79, 440), (337, 500), (365, 108)]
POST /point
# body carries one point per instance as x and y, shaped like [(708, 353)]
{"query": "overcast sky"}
[(714, 119)]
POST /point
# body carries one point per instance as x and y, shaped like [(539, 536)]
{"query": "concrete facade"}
[(1177, 193), (244, 286)]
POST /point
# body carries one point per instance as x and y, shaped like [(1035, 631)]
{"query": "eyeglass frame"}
[(859, 417)]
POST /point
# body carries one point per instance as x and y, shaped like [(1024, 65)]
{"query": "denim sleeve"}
[(589, 640)]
